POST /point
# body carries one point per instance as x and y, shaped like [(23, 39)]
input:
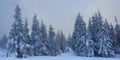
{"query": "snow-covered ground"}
[(64, 56)]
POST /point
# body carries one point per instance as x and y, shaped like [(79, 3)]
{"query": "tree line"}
[(98, 39)]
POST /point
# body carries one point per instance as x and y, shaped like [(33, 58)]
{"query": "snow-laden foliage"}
[(61, 41), (95, 25), (79, 37), (53, 47), (104, 45), (3, 42), (43, 38), (117, 36), (89, 45), (112, 35), (35, 36), (26, 40), (16, 36)]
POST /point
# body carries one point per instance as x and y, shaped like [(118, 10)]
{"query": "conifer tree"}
[(43, 38), (117, 36), (78, 37), (3, 42), (53, 48), (105, 47), (35, 36), (16, 36)]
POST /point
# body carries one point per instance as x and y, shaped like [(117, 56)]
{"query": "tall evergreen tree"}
[(26, 32), (58, 40), (3, 42), (43, 37), (95, 25), (63, 42), (16, 35), (35, 36), (117, 36), (53, 48), (27, 41), (112, 35), (105, 48), (89, 45), (78, 37)]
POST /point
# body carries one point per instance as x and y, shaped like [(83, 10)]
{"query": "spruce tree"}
[(89, 45), (57, 40), (117, 36), (95, 25), (78, 37), (112, 35), (43, 37), (16, 36), (3, 42), (105, 47), (27, 41), (35, 36), (63, 42), (53, 49)]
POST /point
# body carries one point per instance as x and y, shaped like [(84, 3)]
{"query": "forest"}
[(99, 39)]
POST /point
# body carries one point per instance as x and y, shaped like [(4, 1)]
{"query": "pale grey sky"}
[(60, 13)]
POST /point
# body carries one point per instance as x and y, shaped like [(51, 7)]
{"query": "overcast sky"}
[(60, 13)]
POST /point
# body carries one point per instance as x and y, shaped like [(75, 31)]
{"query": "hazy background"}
[(60, 13)]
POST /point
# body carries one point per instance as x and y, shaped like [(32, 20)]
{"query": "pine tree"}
[(52, 43), (62, 42), (95, 25), (43, 37), (16, 35), (27, 41), (117, 36), (35, 36), (112, 35), (105, 47), (78, 37), (89, 45), (3, 42), (57, 40), (26, 32)]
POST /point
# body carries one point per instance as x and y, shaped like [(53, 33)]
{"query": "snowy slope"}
[(64, 56)]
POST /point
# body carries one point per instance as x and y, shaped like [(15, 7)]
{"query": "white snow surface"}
[(64, 56)]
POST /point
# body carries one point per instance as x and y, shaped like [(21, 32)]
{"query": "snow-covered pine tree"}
[(89, 45), (35, 36), (3, 42), (78, 37), (117, 36), (43, 37), (16, 36), (53, 49), (105, 48), (57, 40), (112, 35), (27, 41), (63, 42), (95, 25), (26, 32)]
